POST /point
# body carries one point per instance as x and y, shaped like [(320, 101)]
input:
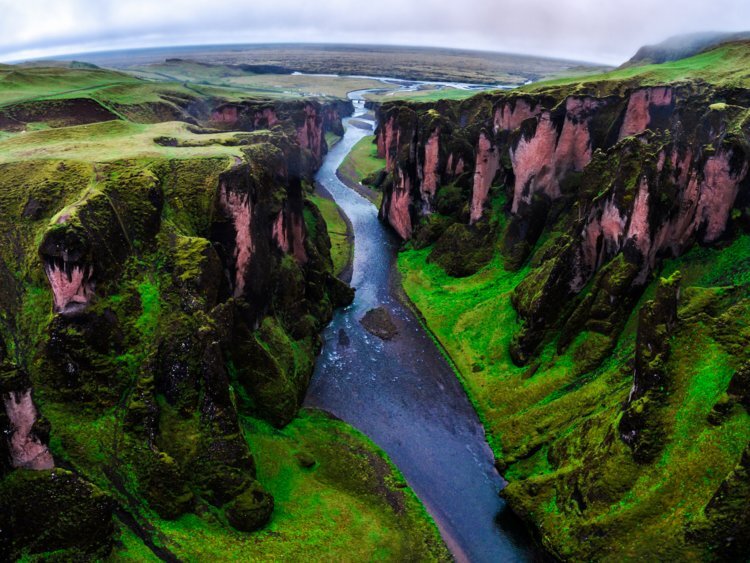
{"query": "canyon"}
[(165, 315), (574, 200), (557, 367)]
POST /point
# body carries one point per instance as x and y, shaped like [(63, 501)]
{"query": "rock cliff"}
[(146, 307), (586, 192)]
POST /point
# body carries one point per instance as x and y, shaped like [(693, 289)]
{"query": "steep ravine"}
[(539, 223), (403, 394)]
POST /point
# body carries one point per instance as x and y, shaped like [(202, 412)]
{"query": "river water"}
[(404, 396)]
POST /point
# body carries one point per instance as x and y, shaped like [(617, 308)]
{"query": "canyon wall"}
[(159, 304), (586, 193), (610, 160)]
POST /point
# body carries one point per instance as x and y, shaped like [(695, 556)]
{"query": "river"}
[(403, 394)]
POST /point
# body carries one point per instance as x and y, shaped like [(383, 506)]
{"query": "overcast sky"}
[(595, 30)]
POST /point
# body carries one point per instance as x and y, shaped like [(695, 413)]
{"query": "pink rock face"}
[(718, 192), (608, 225), (289, 236), (488, 162), (533, 163), (72, 290), (227, 114), (430, 174), (510, 115), (398, 209), (454, 171), (279, 233), (705, 199), (26, 451), (392, 138), (637, 115), (638, 230), (310, 134), (298, 239), (541, 162), (239, 208), (573, 152), (266, 118)]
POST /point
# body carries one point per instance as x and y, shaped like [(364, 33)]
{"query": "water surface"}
[(404, 396)]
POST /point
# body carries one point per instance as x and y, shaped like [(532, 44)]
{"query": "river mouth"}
[(402, 393)]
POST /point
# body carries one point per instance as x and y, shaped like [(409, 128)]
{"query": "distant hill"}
[(682, 46), (47, 63)]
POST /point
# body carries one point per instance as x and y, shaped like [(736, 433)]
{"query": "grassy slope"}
[(361, 162), (351, 505), (20, 84), (342, 505), (342, 248), (554, 401), (113, 140), (423, 95), (727, 65)]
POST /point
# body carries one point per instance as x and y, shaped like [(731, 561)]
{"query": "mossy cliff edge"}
[(154, 310), (539, 224)]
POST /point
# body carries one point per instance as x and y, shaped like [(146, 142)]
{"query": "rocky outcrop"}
[(310, 120), (639, 425), (641, 105), (485, 168), (157, 303), (53, 511), (646, 172), (26, 450)]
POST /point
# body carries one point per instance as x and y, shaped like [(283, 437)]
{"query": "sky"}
[(607, 31)]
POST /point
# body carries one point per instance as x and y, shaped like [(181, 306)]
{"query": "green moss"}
[(362, 162), (551, 422), (150, 309), (129, 547), (722, 66), (342, 247)]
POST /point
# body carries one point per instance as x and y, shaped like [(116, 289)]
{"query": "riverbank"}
[(403, 394), (360, 163), (340, 232)]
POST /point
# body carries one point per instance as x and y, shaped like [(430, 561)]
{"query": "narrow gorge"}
[(561, 209), (518, 333)]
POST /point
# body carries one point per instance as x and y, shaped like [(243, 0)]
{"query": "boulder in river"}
[(378, 322)]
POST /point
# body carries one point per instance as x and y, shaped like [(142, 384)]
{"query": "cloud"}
[(596, 30)]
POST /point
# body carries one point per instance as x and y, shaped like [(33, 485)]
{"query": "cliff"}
[(565, 202), (147, 307)]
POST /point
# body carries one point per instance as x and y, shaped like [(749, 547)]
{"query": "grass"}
[(114, 140), (19, 84), (727, 65), (361, 163), (331, 139), (362, 160), (342, 247), (351, 505), (429, 94), (531, 411)]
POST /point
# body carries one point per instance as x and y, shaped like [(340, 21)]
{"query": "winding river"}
[(402, 393)]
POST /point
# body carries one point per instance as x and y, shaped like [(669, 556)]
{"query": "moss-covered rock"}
[(251, 509), (54, 511), (463, 250)]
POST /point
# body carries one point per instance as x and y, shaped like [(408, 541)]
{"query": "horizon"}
[(80, 56), (570, 30)]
